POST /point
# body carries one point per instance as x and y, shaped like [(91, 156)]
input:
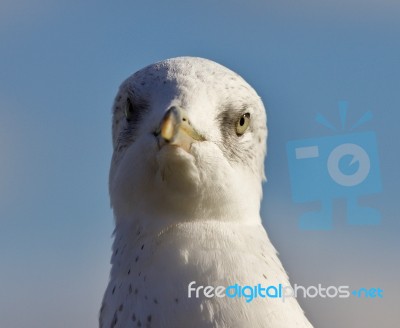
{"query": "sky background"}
[(61, 63)]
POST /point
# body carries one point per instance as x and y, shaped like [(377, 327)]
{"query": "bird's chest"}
[(152, 274)]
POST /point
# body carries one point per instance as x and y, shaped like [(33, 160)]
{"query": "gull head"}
[(189, 140)]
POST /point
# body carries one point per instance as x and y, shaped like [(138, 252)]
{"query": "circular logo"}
[(358, 154)]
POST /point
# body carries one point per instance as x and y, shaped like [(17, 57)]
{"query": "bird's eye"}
[(242, 124), (129, 110)]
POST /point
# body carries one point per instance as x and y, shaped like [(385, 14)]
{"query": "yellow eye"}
[(242, 124), (129, 110)]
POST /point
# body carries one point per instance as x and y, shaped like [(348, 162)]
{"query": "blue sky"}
[(60, 66)]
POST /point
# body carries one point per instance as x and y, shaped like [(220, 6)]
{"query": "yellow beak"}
[(176, 129)]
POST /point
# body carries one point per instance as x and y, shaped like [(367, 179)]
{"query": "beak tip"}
[(167, 129)]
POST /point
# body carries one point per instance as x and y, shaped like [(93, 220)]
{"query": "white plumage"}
[(189, 141)]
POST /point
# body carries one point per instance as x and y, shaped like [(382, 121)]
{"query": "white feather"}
[(191, 216)]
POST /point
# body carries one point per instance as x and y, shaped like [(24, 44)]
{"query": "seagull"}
[(185, 183)]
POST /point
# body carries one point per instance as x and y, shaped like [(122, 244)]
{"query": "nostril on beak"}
[(156, 133)]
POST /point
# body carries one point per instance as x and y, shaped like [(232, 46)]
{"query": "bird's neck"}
[(171, 209)]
